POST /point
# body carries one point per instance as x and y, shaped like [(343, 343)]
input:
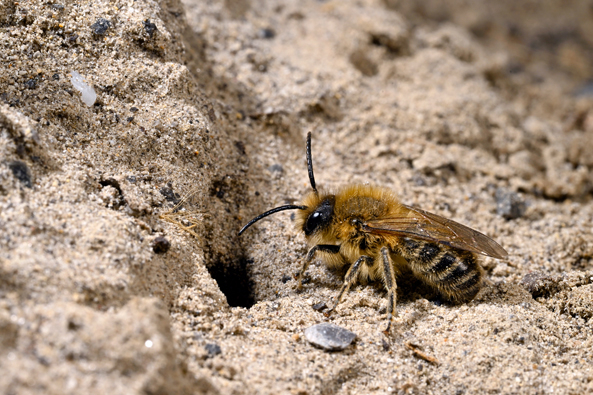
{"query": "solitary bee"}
[(367, 228)]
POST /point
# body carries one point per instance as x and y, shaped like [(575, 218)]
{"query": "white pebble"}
[(88, 93)]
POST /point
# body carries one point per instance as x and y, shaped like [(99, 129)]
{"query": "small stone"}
[(101, 26), (160, 245), (21, 171), (276, 168), (329, 336), (149, 27), (285, 278), (31, 84), (267, 33), (509, 205), (540, 285), (319, 306), (169, 195), (88, 93), (213, 349)]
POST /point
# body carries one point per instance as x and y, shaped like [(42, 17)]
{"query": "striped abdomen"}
[(455, 273)]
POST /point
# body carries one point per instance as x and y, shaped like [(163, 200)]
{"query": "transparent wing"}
[(419, 224)]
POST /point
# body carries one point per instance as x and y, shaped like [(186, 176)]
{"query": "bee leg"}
[(332, 249), (391, 285), (350, 278)]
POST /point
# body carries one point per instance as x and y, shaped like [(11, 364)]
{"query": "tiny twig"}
[(420, 354)]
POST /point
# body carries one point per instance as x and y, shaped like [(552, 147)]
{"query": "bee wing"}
[(419, 224)]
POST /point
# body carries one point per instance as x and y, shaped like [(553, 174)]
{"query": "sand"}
[(477, 112)]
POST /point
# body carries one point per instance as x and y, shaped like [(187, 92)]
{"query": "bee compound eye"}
[(313, 222), (319, 218)]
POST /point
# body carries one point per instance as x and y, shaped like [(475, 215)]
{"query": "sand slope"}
[(478, 113)]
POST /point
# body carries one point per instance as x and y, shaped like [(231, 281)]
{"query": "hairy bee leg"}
[(332, 249), (351, 276), (391, 285)]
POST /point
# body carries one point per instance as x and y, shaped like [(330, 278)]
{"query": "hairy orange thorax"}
[(351, 205)]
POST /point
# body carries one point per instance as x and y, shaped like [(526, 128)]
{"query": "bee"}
[(368, 229)]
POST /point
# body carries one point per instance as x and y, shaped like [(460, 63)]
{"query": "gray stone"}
[(329, 336), (509, 205)]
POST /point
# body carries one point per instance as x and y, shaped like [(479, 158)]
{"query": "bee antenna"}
[(272, 211), (310, 163)]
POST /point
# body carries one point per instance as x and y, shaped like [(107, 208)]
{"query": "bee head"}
[(316, 214)]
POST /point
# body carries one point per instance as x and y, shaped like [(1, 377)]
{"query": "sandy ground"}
[(460, 109)]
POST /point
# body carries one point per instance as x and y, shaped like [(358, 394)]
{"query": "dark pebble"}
[(21, 171), (267, 33), (31, 84), (160, 245), (149, 27), (509, 205), (168, 193), (319, 306), (213, 349), (101, 26), (240, 147), (329, 336), (285, 278), (277, 168)]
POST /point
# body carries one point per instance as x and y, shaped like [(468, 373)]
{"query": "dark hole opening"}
[(234, 281)]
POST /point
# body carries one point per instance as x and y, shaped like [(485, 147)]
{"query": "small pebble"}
[(31, 84), (101, 26), (88, 93), (169, 195), (213, 349), (277, 168), (161, 245), (267, 33), (539, 284), (319, 306), (149, 27), (509, 205), (329, 336), (21, 171)]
